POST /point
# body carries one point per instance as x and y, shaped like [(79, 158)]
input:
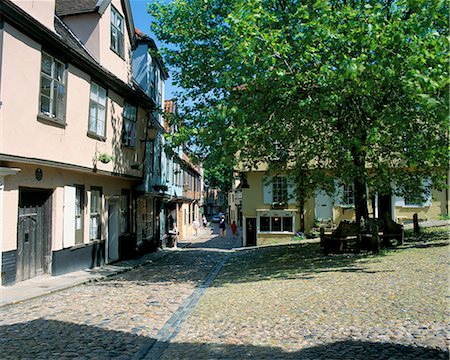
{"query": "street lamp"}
[(152, 132)]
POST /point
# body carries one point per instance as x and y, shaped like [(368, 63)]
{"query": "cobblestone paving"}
[(291, 302), (111, 319)]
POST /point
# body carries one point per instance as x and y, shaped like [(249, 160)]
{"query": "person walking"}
[(233, 229), (196, 226), (222, 226)]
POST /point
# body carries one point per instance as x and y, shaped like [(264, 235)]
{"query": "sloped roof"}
[(142, 38), (79, 7), (71, 40), (71, 7)]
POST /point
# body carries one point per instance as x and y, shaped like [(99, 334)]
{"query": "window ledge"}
[(51, 121), (347, 206), (276, 232), (414, 206), (78, 246), (96, 136), (128, 147), (122, 56)]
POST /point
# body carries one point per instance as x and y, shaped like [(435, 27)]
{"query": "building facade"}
[(73, 137)]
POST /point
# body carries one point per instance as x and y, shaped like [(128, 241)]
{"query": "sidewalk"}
[(46, 284)]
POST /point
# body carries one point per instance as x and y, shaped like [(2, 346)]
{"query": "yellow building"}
[(270, 213)]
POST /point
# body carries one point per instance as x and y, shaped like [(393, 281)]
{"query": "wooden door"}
[(33, 234), (251, 231)]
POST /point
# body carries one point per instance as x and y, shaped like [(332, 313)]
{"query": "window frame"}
[(348, 195), (97, 214), (50, 116), (279, 189), (125, 211), (80, 204), (115, 44), (92, 101), (266, 223), (129, 140)]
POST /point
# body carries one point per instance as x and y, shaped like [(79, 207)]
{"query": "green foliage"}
[(354, 90)]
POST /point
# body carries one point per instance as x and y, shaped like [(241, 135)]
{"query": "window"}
[(413, 200), (97, 110), (279, 189), (79, 211), (276, 224), (349, 195), (53, 88), (117, 32), (129, 125), (159, 160), (151, 146), (96, 210), (287, 224), (125, 212), (264, 223)]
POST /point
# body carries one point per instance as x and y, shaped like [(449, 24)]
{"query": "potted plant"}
[(136, 166), (105, 158)]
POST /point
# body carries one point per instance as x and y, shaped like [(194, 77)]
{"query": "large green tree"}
[(324, 90)]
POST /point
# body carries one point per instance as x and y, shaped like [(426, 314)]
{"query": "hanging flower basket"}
[(104, 158), (136, 166)]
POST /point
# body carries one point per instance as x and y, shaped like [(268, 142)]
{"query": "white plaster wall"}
[(86, 28), (54, 179), (41, 10), (23, 135)]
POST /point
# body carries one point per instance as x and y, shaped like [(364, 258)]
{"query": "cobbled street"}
[(281, 302)]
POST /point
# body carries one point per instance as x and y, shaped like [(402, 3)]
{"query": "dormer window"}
[(117, 37)]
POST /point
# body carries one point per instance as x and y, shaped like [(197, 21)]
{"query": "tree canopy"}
[(338, 89)]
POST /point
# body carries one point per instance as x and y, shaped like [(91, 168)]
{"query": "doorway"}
[(324, 206), (250, 231), (113, 232), (33, 233)]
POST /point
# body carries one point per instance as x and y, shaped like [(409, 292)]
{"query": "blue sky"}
[(142, 21)]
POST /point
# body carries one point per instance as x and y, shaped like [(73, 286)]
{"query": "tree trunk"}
[(361, 210), (359, 161)]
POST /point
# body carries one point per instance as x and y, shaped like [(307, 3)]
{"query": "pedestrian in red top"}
[(233, 228)]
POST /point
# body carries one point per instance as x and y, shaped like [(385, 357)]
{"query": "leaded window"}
[(97, 110), (279, 189), (349, 195), (95, 214), (117, 37), (52, 101), (129, 125)]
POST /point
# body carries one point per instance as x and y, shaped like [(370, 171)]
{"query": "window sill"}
[(78, 246), (347, 206), (51, 121), (128, 147), (95, 136), (122, 56), (276, 232), (95, 241), (414, 206)]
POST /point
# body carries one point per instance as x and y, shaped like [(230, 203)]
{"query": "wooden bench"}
[(344, 238), (389, 231)]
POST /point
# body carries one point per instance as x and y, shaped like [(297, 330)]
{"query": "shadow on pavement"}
[(288, 262), (49, 339), (343, 350)]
